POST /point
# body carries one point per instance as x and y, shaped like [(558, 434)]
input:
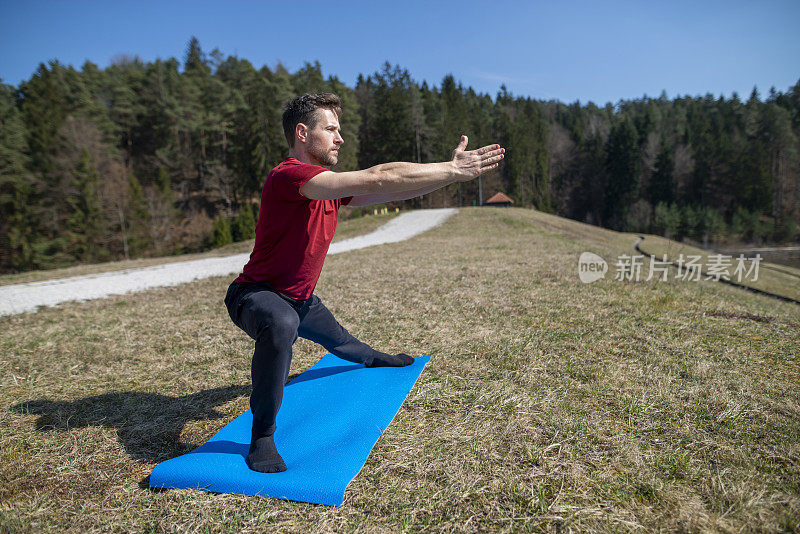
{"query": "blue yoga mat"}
[(332, 415)]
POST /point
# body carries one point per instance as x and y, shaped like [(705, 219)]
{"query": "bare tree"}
[(161, 219), (221, 181), (79, 138), (650, 151), (563, 154), (116, 198)]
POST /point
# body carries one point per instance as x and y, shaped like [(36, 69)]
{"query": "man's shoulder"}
[(294, 167), (288, 163), (285, 179), (293, 163)]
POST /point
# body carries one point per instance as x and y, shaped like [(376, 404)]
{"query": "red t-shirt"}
[(293, 232)]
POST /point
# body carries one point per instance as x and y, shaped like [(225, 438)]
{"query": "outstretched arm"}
[(380, 198), (400, 177)]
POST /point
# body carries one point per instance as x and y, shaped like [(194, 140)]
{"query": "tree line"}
[(165, 157)]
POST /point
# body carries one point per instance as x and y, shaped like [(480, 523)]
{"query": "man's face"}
[(324, 139)]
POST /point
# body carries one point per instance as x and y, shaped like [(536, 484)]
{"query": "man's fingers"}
[(462, 145), (483, 150), (492, 157), (493, 161), (493, 153), (487, 168)]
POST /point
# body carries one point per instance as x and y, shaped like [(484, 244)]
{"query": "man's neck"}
[(302, 156)]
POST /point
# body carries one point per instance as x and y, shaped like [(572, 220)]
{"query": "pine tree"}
[(17, 225), (195, 59), (244, 225), (222, 232), (350, 122), (622, 171), (137, 218), (83, 224), (125, 85), (752, 179), (666, 219), (394, 130), (662, 185), (712, 224), (43, 103), (308, 79), (252, 126)]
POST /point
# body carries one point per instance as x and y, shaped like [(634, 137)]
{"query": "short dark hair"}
[(304, 109)]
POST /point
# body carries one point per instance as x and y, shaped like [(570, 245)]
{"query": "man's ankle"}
[(263, 456)]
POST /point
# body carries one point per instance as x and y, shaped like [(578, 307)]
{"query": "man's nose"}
[(338, 139)]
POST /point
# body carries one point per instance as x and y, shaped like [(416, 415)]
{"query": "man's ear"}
[(301, 132)]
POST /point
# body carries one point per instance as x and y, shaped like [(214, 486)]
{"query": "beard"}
[(324, 157)]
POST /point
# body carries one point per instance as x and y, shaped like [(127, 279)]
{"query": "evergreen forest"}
[(167, 157)]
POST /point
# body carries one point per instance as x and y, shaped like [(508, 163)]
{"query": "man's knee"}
[(233, 301), (281, 328), (267, 317)]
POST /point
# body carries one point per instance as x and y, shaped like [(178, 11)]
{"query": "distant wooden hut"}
[(499, 201)]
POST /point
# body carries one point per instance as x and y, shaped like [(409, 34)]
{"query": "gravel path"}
[(22, 298)]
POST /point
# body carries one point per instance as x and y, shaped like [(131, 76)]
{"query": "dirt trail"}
[(28, 297)]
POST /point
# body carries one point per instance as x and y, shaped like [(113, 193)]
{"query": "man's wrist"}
[(453, 171)]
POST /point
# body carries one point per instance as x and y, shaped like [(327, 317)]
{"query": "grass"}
[(779, 279), (548, 404), (345, 229)]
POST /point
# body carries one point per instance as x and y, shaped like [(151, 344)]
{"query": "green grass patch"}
[(548, 404)]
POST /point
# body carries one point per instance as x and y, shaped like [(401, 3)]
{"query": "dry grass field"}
[(548, 405), (779, 279)]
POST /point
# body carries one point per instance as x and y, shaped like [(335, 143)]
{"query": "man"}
[(273, 299)]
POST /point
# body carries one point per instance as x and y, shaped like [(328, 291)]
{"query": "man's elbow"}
[(313, 192)]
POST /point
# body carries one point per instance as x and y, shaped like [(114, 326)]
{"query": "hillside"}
[(548, 403)]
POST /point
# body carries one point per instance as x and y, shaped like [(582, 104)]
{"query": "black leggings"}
[(275, 321)]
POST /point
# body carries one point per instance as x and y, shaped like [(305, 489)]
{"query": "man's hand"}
[(471, 164)]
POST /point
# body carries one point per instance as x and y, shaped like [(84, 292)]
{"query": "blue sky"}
[(588, 50)]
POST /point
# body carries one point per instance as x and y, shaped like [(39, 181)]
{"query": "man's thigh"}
[(320, 326), (257, 310)]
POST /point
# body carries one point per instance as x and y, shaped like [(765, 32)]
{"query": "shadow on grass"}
[(148, 424)]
